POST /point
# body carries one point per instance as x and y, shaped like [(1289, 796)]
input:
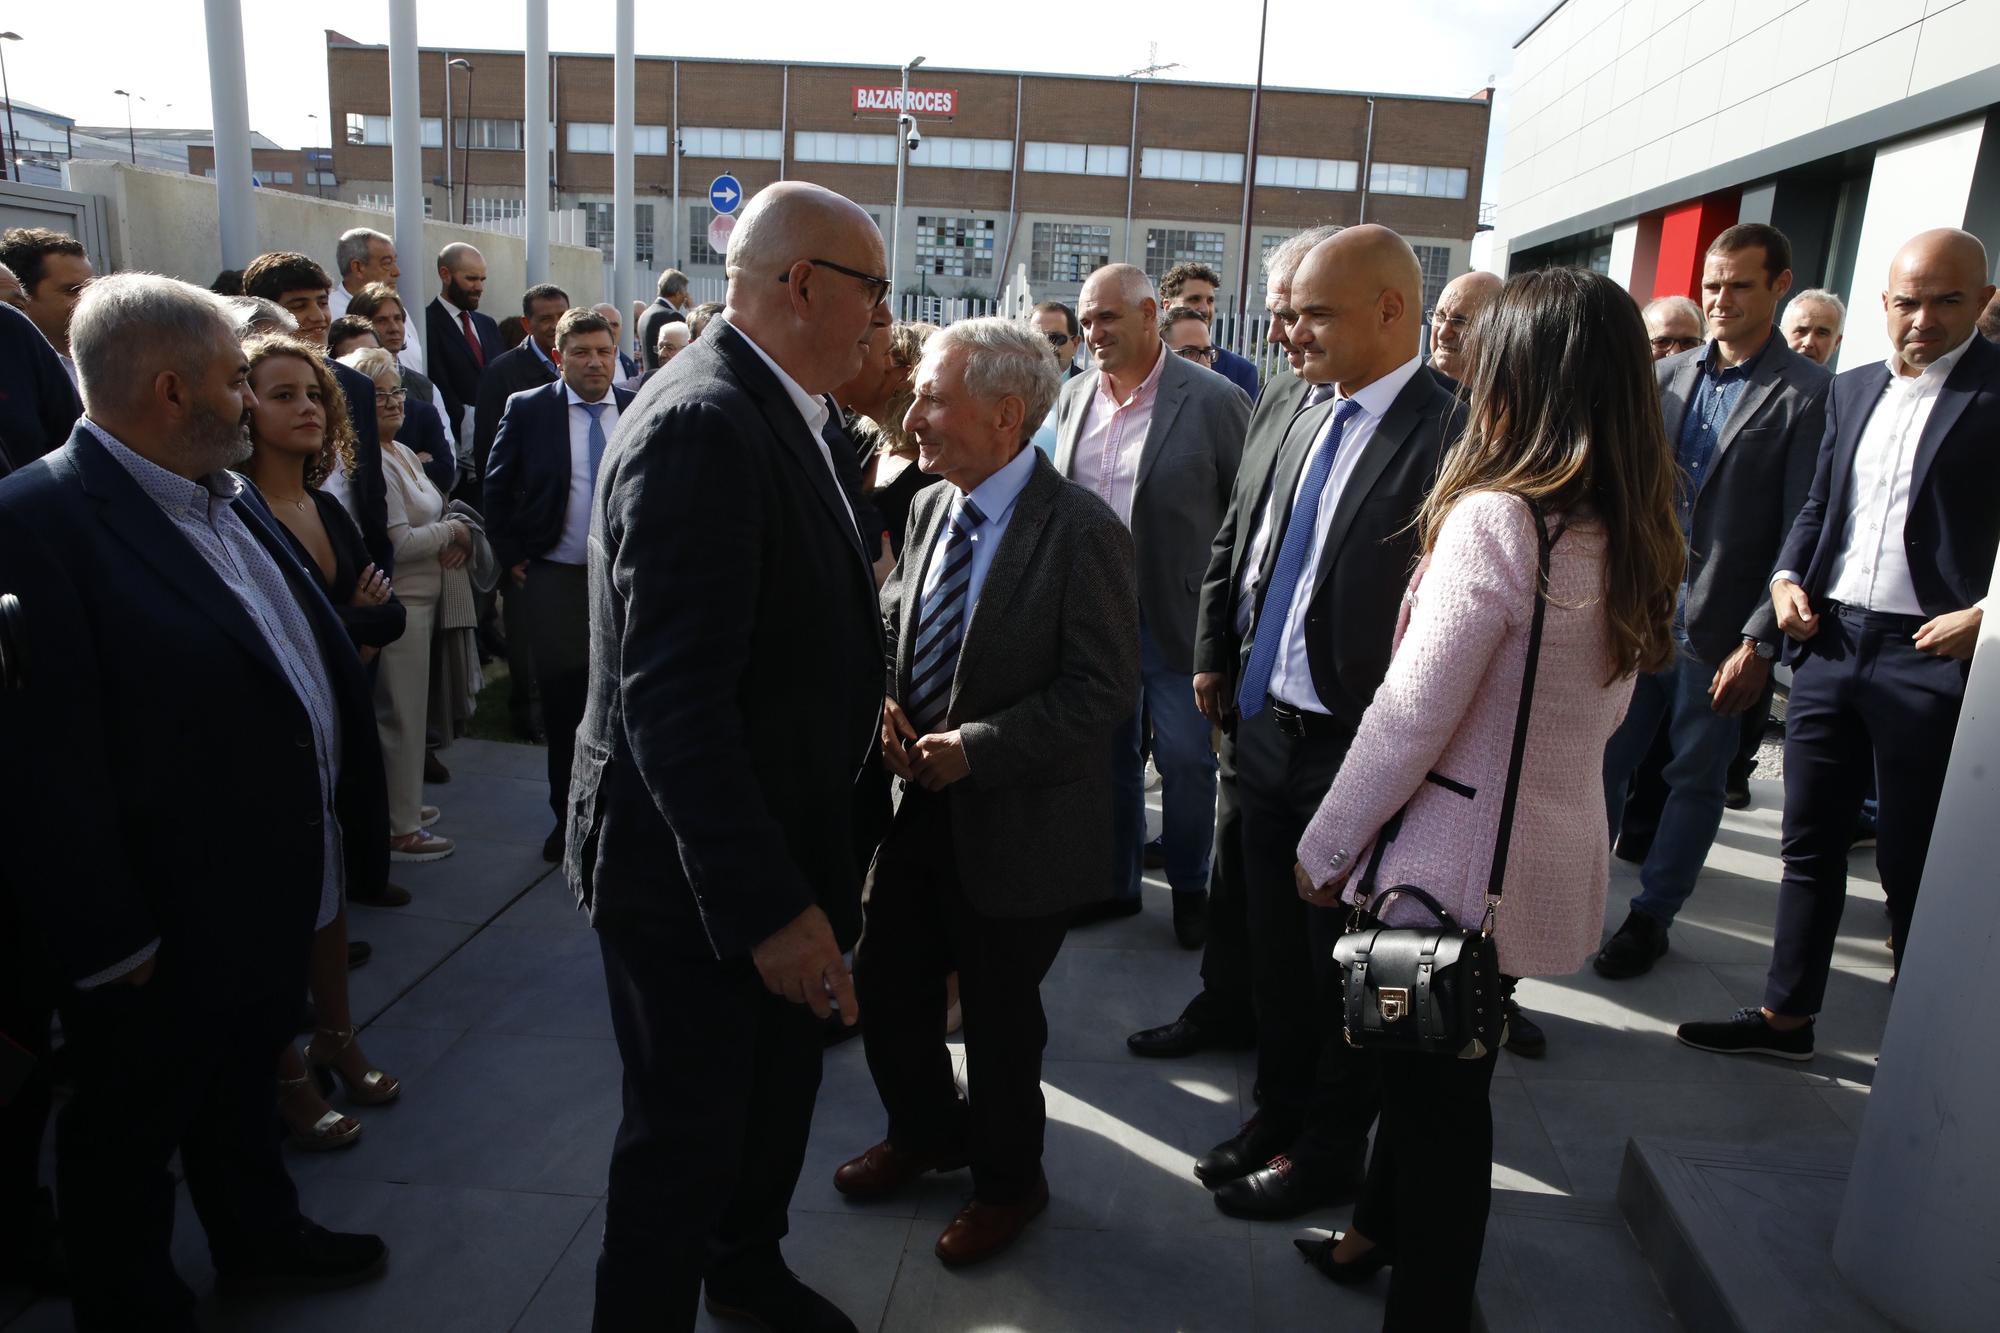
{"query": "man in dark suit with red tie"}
[(1881, 587), (461, 340)]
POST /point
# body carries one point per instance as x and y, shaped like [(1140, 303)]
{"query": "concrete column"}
[(1919, 1234), (535, 138), (406, 152), (230, 107), (624, 108), (1624, 249)]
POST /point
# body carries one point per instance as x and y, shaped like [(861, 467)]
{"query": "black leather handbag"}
[(1436, 990)]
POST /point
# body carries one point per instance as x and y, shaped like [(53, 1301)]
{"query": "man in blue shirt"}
[(1195, 286)]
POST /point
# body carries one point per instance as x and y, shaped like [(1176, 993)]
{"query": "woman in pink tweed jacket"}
[(1564, 412)]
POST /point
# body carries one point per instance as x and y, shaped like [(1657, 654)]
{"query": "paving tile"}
[(474, 884), (494, 807), (548, 904), (1557, 1264), (1292, 1296), (1523, 1158), (1848, 1034), (1095, 998), (492, 759), (406, 948), (1055, 1280), (531, 981)]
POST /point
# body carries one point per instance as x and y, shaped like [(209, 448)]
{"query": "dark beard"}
[(216, 442), (458, 296)]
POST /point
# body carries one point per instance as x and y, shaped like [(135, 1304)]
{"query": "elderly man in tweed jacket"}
[(1012, 626)]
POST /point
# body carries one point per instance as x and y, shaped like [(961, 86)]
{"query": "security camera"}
[(911, 134)]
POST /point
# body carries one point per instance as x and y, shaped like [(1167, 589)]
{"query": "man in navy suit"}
[(1881, 588), (1195, 286), (37, 403), (540, 480), (462, 341), (157, 597)]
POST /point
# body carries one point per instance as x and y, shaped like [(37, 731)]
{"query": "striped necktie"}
[(941, 623)]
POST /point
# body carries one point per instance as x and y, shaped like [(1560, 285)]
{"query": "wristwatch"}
[(1767, 651)]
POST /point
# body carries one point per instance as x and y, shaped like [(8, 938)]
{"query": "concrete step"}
[(1554, 1264)]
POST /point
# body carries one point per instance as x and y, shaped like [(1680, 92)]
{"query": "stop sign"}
[(719, 229)]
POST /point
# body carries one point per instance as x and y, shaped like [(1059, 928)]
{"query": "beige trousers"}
[(402, 694)]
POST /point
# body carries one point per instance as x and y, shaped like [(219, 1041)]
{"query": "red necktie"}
[(472, 336)]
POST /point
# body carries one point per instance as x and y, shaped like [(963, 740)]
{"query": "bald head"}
[(1459, 304), (1357, 296), (1938, 287), (807, 281), (1119, 315)]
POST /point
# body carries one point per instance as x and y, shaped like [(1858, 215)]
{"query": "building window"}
[(976, 154), (1436, 262), (587, 137), (600, 231), (955, 247), (1168, 247), (208, 172), (1186, 164), (481, 132), (316, 178), (281, 178), (871, 149), (374, 131), (1077, 159), (699, 250), (734, 145), (1068, 252), (386, 203), (486, 211), (1402, 178), (1309, 173)]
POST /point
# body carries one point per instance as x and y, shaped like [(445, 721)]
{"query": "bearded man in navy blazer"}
[(736, 683), (181, 662), (539, 483), (1881, 587)]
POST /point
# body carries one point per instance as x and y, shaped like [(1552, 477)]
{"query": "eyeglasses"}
[(878, 288), (1457, 322), (1666, 345), (1057, 338), (1202, 354), (393, 395)]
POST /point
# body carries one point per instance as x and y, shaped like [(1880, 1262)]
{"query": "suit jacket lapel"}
[(1401, 419), (1763, 383), (1069, 428), (1300, 435), (1168, 395), (137, 521), (1953, 396), (1674, 404)]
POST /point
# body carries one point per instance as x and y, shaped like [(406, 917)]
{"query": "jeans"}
[(1704, 742), (1186, 760)]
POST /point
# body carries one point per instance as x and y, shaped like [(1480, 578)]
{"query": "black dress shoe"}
[(1524, 1036), (1633, 950), (1111, 909), (1736, 792), (1188, 1034), (1634, 850), (1285, 1188), (775, 1300), (434, 769), (1247, 1150), (358, 952), (1155, 855), (552, 847), (1191, 918), (311, 1259), (1319, 1253)]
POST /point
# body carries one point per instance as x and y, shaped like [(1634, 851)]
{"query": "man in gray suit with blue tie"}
[(1158, 439)]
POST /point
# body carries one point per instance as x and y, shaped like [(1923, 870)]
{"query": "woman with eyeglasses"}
[(426, 544)]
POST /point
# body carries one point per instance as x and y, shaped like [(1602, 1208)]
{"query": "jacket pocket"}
[(1451, 785)]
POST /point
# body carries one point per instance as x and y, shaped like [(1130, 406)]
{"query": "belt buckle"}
[(1393, 1001), (1291, 722)]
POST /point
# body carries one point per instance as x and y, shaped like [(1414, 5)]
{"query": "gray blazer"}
[(1187, 470), (1048, 670), (1756, 484)]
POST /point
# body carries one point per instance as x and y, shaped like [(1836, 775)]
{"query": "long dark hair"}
[(1565, 412)]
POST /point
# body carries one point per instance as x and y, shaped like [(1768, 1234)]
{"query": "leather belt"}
[(1299, 723), (1887, 621)]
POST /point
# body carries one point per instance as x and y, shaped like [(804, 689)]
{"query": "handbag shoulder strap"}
[(1544, 545)]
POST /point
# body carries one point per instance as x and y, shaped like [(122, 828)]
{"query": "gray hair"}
[(1284, 258), (1004, 359), (373, 362), (129, 327), (252, 313), (353, 249), (1133, 284), (1819, 296), (667, 326), (1682, 304)]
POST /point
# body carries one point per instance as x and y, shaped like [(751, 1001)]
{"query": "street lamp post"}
[(131, 139), (905, 122), (13, 140), (312, 162), (465, 154)]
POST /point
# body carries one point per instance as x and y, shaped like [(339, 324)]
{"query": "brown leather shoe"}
[(885, 1169), (982, 1230)]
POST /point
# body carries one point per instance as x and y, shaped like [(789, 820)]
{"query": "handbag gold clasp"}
[(1393, 1001)]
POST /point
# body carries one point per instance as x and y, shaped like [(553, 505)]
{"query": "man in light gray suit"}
[(1158, 439), (1012, 627), (1744, 414)]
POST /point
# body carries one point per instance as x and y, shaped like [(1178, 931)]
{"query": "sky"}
[(157, 48)]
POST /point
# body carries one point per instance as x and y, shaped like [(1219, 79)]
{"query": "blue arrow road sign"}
[(724, 194)]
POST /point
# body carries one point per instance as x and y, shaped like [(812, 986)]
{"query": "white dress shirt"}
[(573, 547), (813, 412), (463, 427), (1111, 439), (1291, 678), (1871, 571)]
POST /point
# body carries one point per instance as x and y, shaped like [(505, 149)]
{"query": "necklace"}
[(298, 504)]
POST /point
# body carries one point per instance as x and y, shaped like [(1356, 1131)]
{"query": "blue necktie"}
[(941, 623), (1291, 565), (597, 441)]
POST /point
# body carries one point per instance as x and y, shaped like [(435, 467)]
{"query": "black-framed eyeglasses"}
[(1205, 355), (1667, 345), (878, 288), (1057, 338), (1450, 321)]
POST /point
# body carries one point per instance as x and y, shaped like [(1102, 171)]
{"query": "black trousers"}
[(1861, 687), (1429, 1186), (154, 1075), (1225, 998), (1315, 1086), (720, 1077), (524, 685), (1754, 723), (27, 1006), (1648, 794), (920, 928), (555, 614)]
